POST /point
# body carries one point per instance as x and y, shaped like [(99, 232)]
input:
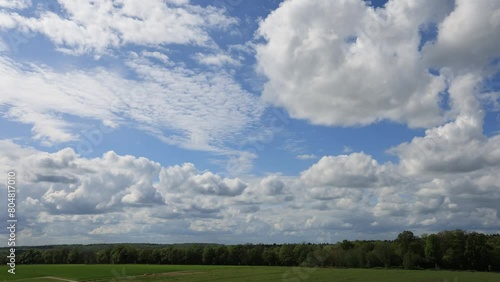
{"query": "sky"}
[(238, 121)]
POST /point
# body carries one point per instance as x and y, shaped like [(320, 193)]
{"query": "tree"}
[(433, 252), (270, 256), (477, 252), (286, 255), (346, 245), (384, 252), (103, 256), (49, 256), (453, 243), (194, 254), (74, 256), (300, 252), (143, 255), (404, 242), (3, 257), (254, 254), (123, 254), (208, 256), (221, 255), (235, 254), (31, 257), (410, 260)]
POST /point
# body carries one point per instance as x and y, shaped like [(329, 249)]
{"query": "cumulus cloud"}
[(458, 146), (78, 185), (355, 170), (94, 196), (366, 65), (272, 185), (467, 38), (185, 179), (348, 71)]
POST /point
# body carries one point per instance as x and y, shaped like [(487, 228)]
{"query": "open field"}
[(48, 273)]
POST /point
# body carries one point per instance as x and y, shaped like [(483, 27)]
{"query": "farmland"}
[(131, 272)]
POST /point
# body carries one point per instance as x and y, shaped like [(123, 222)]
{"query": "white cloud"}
[(355, 170), (458, 146), (361, 68), (467, 38), (96, 26), (165, 99), (365, 66), (185, 179), (215, 59), (92, 197), (15, 4), (78, 185), (350, 64)]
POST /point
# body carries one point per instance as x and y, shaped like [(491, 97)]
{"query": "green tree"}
[(123, 254), (194, 254), (384, 252), (433, 252), (286, 255), (477, 252), (31, 257), (453, 243), (208, 256), (221, 255), (270, 256), (410, 260), (103, 256), (346, 245), (74, 256), (405, 242)]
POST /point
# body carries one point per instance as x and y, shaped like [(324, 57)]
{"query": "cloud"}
[(164, 100), (185, 179), (215, 59), (306, 157), (93, 188), (366, 66), (95, 27), (347, 150), (15, 4), (467, 38), (272, 185), (356, 170), (92, 197), (458, 146)]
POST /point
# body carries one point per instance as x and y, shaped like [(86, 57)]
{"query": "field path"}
[(57, 278)]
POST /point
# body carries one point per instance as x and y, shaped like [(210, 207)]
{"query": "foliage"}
[(456, 249)]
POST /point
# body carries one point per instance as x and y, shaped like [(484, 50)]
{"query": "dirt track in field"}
[(57, 278)]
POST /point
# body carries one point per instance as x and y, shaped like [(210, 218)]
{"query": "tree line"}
[(455, 249)]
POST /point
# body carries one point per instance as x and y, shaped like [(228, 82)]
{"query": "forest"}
[(455, 249)]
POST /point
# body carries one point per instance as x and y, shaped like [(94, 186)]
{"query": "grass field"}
[(133, 273)]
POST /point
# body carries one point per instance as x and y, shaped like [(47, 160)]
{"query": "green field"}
[(30, 273)]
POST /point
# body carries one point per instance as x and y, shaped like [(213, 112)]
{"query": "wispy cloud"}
[(306, 157), (347, 149), (183, 107)]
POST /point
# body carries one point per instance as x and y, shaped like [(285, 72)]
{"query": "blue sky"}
[(225, 118)]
